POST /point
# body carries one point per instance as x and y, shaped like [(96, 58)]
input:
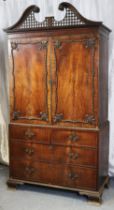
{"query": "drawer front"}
[(56, 136), (52, 153), (54, 174), (40, 135), (77, 138)]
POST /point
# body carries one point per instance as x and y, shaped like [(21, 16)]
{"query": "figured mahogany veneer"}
[(56, 174), (59, 132), (51, 153), (39, 135), (54, 136), (75, 138)]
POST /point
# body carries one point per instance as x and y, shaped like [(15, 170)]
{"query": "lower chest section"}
[(66, 158)]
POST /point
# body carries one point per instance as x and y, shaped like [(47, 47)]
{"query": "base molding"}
[(93, 196)]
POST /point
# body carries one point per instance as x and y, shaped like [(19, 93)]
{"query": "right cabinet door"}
[(74, 91)]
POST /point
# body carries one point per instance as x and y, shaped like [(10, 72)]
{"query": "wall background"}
[(10, 12)]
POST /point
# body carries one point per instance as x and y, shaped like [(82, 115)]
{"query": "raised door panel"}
[(29, 91), (75, 81)]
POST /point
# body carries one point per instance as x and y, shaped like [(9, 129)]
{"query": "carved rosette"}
[(42, 45), (89, 119), (58, 117), (57, 44), (14, 45), (89, 43), (16, 115), (43, 116)]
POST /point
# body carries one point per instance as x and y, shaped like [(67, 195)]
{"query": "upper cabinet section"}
[(57, 70), (72, 19)]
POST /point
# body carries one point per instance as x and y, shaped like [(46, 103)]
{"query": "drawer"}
[(76, 138), (56, 136), (40, 135), (54, 174), (52, 153)]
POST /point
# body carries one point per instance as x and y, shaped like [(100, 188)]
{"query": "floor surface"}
[(29, 197)]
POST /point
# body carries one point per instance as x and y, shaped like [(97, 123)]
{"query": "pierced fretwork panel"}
[(31, 22), (70, 19)]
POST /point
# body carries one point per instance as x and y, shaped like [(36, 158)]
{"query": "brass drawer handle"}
[(29, 134), (51, 147), (74, 137), (73, 155), (29, 151), (76, 156), (29, 170), (73, 176)]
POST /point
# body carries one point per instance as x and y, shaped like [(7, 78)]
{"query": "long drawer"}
[(53, 153), (55, 136), (54, 174)]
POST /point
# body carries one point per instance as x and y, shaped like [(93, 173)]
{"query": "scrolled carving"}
[(16, 115), (89, 43), (57, 44), (58, 117), (14, 45), (29, 20), (43, 116), (89, 119), (42, 45), (35, 9)]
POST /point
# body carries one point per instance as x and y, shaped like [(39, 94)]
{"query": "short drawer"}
[(75, 138), (52, 153), (54, 174), (41, 135)]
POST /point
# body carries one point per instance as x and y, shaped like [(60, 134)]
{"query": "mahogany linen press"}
[(59, 129)]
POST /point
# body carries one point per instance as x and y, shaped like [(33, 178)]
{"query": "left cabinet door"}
[(28, 87)]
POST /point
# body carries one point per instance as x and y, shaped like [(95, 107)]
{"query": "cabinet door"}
[(29, 95), (74, 93)]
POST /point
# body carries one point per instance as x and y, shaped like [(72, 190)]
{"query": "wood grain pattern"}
[(55, 136), (40, 135), (103, 81), (74, 80), (75, 138), (54, 174), (52, 153), (103, 154), (29, 79), (59, 131)]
